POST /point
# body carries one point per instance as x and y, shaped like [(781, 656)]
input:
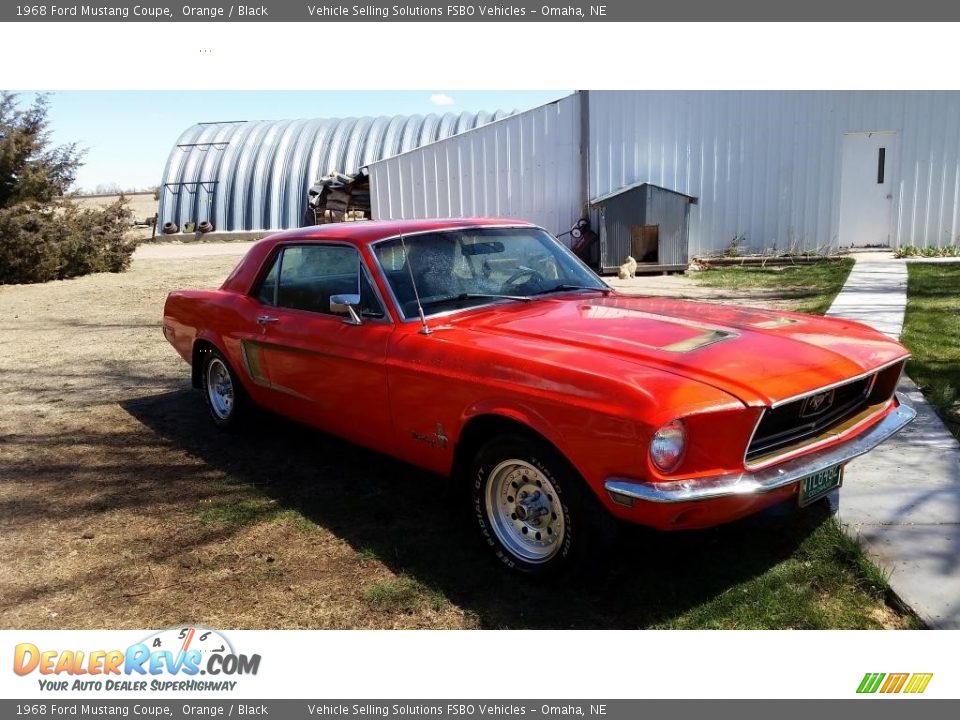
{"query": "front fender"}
[(518, 412)]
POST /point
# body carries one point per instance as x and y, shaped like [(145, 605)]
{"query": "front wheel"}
[(533, 509)]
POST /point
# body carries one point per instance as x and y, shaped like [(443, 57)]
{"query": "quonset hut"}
[(257, 175)]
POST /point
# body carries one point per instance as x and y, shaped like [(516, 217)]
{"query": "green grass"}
[(825, 583), (403, 594), (239, 506), (907, 251), (366, 555), (931, 330), (809, 288)]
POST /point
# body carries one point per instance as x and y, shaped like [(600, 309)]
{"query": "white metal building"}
[(526, 166), (787, 170)]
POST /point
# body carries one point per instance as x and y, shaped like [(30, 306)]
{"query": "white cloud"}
[(442, 99)]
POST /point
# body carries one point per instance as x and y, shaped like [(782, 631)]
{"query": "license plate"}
[(815, 486)]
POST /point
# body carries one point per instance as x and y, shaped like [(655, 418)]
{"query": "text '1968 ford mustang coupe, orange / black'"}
[(486, 351)]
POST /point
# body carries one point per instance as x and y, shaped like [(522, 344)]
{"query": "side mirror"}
[(346, 304)]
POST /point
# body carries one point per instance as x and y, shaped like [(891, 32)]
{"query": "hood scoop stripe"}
[(708, 335), (774, 323), (701, 341)]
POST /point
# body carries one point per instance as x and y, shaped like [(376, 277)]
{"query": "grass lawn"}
[(412, 561), (818, 578), (931, 330), (808, 288)]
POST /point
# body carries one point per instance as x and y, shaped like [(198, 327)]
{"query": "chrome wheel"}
[(220, 391), (524, 511)]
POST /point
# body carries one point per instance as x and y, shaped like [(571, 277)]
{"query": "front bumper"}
[(628, 492)]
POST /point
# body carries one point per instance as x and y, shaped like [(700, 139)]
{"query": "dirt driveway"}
[(121, 506)]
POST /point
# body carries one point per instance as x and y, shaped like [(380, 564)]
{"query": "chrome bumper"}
[(761, 481)]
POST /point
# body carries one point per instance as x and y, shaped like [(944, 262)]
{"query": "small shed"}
[(647, 222)]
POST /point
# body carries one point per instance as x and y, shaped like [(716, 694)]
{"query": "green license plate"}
[(813, 487)]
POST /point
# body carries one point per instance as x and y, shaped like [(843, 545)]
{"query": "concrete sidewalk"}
[(903, 499)]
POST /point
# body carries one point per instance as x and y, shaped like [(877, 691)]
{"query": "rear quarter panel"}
[(217, 316), (182, 317)]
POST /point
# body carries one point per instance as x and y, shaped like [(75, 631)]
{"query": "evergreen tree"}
[(43, 234)]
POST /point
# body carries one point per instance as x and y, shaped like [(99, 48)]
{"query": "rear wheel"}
[(533, 509), (222, 392)]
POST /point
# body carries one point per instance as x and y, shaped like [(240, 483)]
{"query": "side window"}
[(268, 288), (305, 277), (369, 302)]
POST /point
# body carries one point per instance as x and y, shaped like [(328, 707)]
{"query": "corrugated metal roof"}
[(255, 175), (603, 198)]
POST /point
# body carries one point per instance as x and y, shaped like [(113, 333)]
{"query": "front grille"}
[(809, 416)]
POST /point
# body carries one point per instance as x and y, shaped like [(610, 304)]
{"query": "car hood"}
[(758, 356)]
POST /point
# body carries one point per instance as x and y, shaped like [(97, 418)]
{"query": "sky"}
[(128, 134)]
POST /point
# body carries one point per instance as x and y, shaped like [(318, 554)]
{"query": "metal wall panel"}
[(255, 175), (616, 217), (526, 166), (766, 165), (670, 211)]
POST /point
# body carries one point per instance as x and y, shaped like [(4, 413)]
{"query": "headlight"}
[(666, 447)]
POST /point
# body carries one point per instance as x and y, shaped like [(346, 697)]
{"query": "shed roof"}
[(636, 186)]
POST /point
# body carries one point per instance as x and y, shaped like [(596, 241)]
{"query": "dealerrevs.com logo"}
[(169, 660), (910, 683)]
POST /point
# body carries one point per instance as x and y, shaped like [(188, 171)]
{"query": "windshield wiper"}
[(568, 286), (474, 296)]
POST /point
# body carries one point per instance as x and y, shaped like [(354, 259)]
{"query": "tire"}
[(534, 510), (223, 394)]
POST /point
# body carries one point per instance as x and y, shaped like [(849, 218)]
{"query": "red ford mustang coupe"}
[(485, 350)]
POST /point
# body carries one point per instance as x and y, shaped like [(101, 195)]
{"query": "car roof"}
[(367, 231), (361, 233)]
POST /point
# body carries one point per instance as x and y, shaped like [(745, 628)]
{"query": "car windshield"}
[(456, 269)]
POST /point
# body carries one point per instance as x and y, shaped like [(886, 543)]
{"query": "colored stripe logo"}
[(913, 683)]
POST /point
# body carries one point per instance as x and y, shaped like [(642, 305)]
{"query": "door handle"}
[(265, 320)]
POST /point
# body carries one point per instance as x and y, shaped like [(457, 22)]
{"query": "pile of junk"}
[(584, 242), (339, 198)]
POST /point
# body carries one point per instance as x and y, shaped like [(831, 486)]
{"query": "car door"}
[(321, 366)]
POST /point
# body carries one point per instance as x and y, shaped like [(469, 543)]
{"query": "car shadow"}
[(417, 523)]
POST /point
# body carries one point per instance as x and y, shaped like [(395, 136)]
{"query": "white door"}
[(866, 188)]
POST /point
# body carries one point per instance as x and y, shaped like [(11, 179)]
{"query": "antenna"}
[(424, 328)]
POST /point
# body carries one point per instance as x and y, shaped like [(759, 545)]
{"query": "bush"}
[(59, 241), (44, 236), (25, 253)]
